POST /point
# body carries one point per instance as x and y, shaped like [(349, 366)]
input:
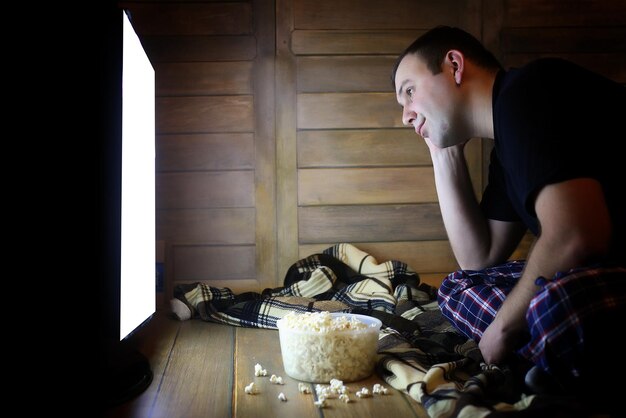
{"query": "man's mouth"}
[(419, 126)]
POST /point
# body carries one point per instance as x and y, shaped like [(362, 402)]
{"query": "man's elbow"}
[(588, 248)]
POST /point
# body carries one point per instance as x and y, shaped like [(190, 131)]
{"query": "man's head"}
[(427, 79), (433, 46)]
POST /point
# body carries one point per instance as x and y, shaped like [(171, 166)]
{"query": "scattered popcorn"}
[(320, 404), (325, 392), (344, 398), (282, 397), (379, 389), (364, 393), (276, 379), (337, 385), (251, 389), (303, 388), (259, 370)]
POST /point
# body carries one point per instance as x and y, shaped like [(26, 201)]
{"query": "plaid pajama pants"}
[(574, 320)]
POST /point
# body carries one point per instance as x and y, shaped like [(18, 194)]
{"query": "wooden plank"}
[(192, 152), (204, 114), (178, 1), (611, 65), (204, 263), (376, 223), (206, 226), (560, 39), (339, 110), (265, 143), (360, 147), (191, 19), (368, 14), (203, 78), (345, 74), (421, 256), (193, 386), (199, 48), (202, 189), (366, 186), (346, 42), (394, 404), (262, 346), (286, 151), (492, 11), (546, 13)]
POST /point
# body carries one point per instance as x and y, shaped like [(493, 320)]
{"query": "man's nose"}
[(408, 116)]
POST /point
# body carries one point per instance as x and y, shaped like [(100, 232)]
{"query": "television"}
[(127, 167)]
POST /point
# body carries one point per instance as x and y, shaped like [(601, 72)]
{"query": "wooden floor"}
[(201, 368)]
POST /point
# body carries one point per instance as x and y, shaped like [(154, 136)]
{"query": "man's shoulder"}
[(540, 72), (553, 80), (548, 73)]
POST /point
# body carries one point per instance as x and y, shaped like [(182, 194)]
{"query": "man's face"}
[(429, 102)]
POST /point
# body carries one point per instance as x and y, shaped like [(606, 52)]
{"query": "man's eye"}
[(409, 92)]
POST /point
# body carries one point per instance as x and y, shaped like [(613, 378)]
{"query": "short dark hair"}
[(433, 45)]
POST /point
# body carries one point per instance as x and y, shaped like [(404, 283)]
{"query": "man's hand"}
[(496, 344)]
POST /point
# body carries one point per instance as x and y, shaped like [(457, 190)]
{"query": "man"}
[(556, 169)]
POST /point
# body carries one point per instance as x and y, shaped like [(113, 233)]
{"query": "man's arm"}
[(477, 242), (575, 231)]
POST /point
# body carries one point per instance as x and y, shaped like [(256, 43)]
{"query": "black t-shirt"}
[(555, 121)]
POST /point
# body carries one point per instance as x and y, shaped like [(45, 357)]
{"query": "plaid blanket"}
[(420, 353)]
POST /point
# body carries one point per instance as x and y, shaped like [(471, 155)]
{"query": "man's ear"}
[(456, 63)]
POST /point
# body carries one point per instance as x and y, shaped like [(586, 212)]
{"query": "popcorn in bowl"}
[(320, 346)]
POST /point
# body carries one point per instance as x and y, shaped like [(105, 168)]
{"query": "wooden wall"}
[(278, 133)]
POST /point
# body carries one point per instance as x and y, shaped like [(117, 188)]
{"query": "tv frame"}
[(124, 372)]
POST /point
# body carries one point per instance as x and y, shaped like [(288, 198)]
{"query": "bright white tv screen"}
[(138, 267)]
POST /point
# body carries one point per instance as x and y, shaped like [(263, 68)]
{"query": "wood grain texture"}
[(204, 114), (198, 378), (194, 152), (347, 42), (207, 263), (205, 189), (199, 48), (286, 147), (206, 226), (373, 14), (361, 148), (421, 256), (203, 78), (191, 19), (564, 13), (348, 110), (376, 222), (265, 143), (564, 39), (332, 186), (249, 353), (345, 74)]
